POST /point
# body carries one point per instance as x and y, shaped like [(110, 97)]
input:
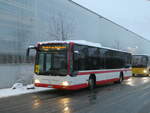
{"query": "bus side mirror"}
[(28, 50)]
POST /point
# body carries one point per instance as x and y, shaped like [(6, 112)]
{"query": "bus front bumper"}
[(69, 87), (140, 71)]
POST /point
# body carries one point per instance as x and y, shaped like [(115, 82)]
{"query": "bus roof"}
[(141, 55), (81, 42)]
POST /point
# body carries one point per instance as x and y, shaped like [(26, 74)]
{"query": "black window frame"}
[(108, 59)]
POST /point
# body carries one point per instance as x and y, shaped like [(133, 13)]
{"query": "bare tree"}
[(61, 27), (117, 44)]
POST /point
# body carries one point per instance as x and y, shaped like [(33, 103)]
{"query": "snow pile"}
[(19, 89), (17, 85)]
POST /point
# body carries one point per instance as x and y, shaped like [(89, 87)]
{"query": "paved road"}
[(132, 96)]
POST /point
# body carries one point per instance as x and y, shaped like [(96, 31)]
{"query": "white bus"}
[(79, 64)]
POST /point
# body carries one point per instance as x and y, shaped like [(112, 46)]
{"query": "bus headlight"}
[(65, 83), (145, 71), (36, 81)]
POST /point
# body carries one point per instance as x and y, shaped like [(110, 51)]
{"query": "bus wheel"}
[(91, 83), (120, 78), (133, 75)]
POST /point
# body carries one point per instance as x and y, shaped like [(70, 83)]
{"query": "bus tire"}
[(121, 78), (92, 82), (133, 75)]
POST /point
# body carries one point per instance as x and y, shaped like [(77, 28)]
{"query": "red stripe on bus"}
[(107, 81), (127, 77), (69, 56), (79, 86), (95, 72), (68, 61)]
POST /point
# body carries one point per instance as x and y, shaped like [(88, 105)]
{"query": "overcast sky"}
[(132, 14)]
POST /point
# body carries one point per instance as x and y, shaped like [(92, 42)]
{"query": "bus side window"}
[(80, 57), (144, 60), (41, 62), (102, 58), (93, 56), (148, 61)]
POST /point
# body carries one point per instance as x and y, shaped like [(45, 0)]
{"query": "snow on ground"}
[(21, 90)]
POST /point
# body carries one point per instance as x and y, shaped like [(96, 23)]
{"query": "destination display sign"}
[(52, 47)]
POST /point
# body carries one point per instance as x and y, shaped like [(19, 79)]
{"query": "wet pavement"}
[(132, 96)]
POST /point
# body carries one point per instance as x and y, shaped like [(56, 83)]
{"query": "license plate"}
[(49, 86)]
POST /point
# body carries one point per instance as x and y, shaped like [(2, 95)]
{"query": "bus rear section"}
[(140, 65), (73, 65)]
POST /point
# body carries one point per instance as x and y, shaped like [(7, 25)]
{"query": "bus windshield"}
[(139, 61), (51, 63)]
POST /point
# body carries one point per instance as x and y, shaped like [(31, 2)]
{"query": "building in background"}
[(25, 22)]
